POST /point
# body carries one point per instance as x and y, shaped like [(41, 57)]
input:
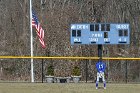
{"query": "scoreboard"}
[(100, 33)]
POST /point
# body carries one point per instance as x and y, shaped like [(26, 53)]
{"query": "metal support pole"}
[(126, 71), (42, 70), (86, 70), (100, 52)]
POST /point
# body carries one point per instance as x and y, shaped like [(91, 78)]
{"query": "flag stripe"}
[(40, 31)]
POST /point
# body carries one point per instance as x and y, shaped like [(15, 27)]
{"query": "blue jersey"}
[(100, 66)]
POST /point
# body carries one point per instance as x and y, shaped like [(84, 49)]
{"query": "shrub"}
[(76, 71), (50, 70)]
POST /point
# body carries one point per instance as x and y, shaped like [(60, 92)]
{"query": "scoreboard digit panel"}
[(100, 33)]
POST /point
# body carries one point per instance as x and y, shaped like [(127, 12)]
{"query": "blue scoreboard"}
[(100, 33)]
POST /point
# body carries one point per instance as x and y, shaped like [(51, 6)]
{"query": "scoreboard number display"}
[(100, 33)]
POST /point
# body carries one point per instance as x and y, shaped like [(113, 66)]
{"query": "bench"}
[(62, 79)]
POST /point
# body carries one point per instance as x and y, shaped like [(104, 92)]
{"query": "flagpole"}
[(31, 37)]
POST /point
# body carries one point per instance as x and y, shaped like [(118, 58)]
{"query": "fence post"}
[(86, 70), (126, 71), (42, 70)]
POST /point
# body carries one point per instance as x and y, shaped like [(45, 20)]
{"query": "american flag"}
[(39, 30)]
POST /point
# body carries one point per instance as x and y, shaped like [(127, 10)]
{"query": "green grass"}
[(66, 88)]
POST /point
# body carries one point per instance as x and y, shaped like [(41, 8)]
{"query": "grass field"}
[(67, 88)]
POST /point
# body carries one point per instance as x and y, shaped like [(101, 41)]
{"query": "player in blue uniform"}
[(100, 66)]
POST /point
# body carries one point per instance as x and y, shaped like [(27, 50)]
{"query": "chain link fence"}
[(117, 71)]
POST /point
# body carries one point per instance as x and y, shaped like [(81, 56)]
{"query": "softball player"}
[(100, 66)]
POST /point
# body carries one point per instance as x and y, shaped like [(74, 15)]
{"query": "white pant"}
[(100, 75)]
